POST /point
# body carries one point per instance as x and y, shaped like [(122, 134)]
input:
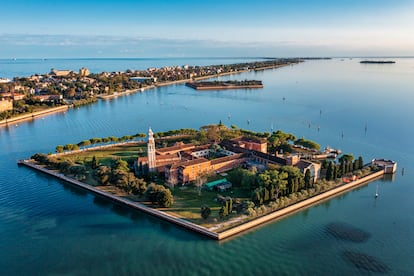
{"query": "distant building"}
[(6, 104), (389, 166), (183, 163), (314, 168), (60, 73), (252, 143), (49, 98), (17, 96), (84, 72), (143, 79), (4, 80)]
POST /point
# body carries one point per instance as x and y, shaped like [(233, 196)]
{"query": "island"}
[(220, 85), (26, 98), (218, 181), (377, 62)]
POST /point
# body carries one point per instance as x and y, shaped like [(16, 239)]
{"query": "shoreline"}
[(299, 206), (273, 216), (34, 115), (124, 93)]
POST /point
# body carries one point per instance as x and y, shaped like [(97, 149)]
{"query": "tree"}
[(78, 171), (165, 198), (59, 149), (248, 180), (120, 164), (335, 172), (223, 211), (94, 163), (307, 179), (294, 178), (257, 196), (84, 143), (95, 140), (329, 171), (205, 211), (103, 174), (152, 192), (307, 143), (120, 179), (229, 205), (361, 162), (346, 158), (65, 165), (138, 186)]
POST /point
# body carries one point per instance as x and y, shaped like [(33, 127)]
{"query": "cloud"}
[(322, 43)]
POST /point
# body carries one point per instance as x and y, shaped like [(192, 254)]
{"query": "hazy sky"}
[(157, 28)]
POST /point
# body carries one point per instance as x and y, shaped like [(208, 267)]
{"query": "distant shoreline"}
[(377, 62), (214, 85), (49, 111), (34, 115)]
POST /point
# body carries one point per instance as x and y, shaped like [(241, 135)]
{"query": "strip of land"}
[(221, 85), (203, 230), (34, 115), (108, 85)]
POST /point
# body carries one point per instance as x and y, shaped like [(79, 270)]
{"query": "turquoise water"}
[(48, 227)]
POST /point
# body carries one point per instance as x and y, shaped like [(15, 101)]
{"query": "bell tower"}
[(151, 151)]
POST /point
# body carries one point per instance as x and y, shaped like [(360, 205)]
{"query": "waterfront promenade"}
[(34, 115), (217, 235)]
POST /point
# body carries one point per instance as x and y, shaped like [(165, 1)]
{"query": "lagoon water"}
[(48, 227)]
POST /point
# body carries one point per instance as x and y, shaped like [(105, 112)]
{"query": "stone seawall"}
[(300, 205), (33, 115), (127, 202)]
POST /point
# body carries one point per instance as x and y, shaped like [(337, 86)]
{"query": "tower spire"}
[(151, 151)]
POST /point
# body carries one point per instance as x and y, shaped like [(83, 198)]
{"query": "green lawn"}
[(128, 152), (188, 202)]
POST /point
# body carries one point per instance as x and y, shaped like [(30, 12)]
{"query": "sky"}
[(208, 28)]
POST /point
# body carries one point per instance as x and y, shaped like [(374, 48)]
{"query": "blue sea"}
[(50, 228)]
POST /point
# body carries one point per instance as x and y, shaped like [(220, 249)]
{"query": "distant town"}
[(37, 93)]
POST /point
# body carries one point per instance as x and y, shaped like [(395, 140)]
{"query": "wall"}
[(6, 104)]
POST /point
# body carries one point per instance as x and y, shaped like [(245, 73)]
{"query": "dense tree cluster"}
[(227, 207), (307, 144), (347, 165)]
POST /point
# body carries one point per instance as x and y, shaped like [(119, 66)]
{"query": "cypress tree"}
[(361, 162), (307, 179), (329, 172), (335, 172)]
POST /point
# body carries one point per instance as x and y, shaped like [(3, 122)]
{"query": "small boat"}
[(376, 192)]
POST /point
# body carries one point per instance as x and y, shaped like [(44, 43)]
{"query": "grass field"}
[(127, 152), (188, 202)]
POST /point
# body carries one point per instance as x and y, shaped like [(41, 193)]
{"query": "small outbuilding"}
[(220, 185)]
